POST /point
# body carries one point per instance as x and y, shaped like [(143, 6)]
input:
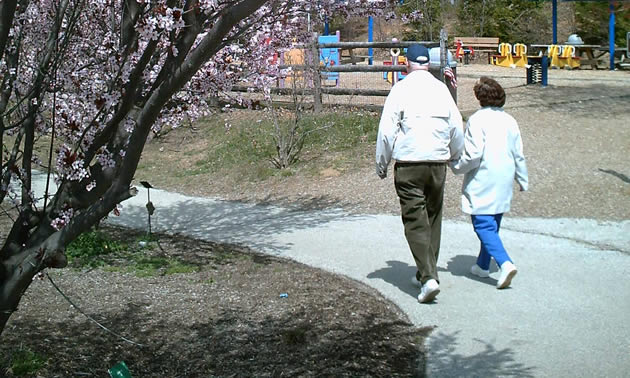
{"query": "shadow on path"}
[(444, 360), (227, 221), (460, 266), (398, 274)]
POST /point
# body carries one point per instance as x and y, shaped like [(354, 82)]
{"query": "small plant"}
[(157, 265), (90, 248), (25, 362)]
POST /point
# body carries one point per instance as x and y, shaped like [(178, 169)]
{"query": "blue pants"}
[(487, 230)]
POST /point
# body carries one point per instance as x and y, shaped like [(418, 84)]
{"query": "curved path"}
[(566, 314)]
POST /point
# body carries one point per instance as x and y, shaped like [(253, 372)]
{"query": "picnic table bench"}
[(488, 45)]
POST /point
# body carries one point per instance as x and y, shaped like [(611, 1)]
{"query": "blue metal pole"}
[(370, 38), (554, 20), (545, 65), (326, 27), (611, 35)]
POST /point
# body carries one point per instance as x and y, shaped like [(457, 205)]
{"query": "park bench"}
[(488, 45)]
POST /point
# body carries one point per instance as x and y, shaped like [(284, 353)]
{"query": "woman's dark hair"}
[(489, 92)]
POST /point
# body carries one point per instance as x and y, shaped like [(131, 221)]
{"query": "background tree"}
[(84, 82), (512, 21), (426, 18), (592, 22)]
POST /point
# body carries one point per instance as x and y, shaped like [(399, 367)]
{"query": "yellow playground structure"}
[(563, 57), (560, 56), (510, 56)]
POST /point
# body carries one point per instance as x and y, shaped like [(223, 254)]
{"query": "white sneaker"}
[(508, 271), (477, 271), (429, 291)]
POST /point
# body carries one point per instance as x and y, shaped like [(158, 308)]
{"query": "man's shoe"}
[(508, 271), (477, 271), (429, 291)]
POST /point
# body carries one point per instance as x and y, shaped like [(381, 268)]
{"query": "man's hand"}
[(382, 173)]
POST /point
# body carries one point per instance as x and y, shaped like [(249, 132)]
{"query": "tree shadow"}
[(444, 361), (618, 175), (254, 225), (289, 343)]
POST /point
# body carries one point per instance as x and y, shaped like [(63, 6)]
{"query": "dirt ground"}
[(576, 136), (229, 319)]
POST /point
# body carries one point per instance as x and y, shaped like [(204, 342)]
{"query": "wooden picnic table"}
[(588, 54)]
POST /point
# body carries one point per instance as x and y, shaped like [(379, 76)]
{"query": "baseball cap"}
[(418, 53)]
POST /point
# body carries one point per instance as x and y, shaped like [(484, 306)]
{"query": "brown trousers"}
[(420, 188)]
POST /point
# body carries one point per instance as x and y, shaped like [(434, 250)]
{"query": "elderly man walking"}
[(421, 129)]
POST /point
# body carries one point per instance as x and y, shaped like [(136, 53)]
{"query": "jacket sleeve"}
[(519, 160), (474, 141), (386, 134), (456, 145)]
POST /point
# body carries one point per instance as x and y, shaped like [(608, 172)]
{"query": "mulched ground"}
[(230, 318)]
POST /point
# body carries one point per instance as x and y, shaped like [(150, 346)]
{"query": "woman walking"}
[(492, 160)]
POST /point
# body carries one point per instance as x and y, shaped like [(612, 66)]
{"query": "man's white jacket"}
[(492, 160), (420, 123)]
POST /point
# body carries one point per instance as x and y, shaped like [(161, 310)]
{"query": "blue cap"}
[(418, 53)]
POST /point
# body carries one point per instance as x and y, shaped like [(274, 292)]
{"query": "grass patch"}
[(246, 147), (96, 249), (91, 249), (25, 362), (158, 265)]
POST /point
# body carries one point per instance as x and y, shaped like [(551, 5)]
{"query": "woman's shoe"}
[(477, 271), (508, 271)]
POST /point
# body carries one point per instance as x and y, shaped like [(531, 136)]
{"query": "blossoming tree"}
[(84, 82)]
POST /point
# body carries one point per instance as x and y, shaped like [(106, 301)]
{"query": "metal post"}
[(370, 39), (150, 207), (394, 53), (545, 66), (149, 212), (611, 34)]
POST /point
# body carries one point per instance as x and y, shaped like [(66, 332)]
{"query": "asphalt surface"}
[(566, 313)]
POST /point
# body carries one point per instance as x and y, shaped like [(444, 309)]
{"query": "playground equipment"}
[(520, 55), (537, 70), (460, 51), (563, 56), (397, 60), (553, 52), (329, 57), (504, 59), (567, 57)]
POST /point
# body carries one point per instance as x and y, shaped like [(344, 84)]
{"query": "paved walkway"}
[(566, 314)]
